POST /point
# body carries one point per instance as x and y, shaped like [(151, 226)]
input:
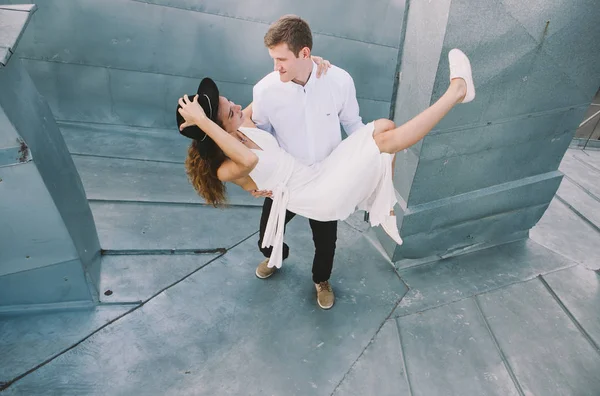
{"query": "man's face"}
[(285, 62), (230, 114)]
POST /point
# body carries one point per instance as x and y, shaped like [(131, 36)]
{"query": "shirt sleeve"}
[(260, 111), (349, 113)]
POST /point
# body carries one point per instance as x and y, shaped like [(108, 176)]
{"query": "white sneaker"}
[(390, 227), (460, 67)]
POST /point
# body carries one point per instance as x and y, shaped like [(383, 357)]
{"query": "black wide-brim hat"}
[(208, 98)]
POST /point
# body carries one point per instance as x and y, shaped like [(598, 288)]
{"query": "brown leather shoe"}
[(325, 297), (263, 271)]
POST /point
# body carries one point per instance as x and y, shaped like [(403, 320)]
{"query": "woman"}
[(227, 147)]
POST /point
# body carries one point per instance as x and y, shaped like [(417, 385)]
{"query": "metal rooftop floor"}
[(518, 319)]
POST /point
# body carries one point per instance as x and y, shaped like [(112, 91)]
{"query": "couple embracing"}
[(287, 146)]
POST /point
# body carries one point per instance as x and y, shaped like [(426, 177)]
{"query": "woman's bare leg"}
[(397, 139)]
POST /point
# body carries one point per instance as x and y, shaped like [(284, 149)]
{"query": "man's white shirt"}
[(305, 120)]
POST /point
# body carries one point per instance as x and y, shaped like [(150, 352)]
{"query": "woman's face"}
[(230, 115)]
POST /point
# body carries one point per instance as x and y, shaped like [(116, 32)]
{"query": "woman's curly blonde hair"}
[(202, 174)]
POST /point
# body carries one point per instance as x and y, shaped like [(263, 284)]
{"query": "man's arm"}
[(349, 113)]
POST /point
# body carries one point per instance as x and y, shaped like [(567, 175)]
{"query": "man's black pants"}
[(324, 237)]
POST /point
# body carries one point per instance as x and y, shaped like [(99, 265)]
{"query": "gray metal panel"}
[(13, 20), (207, 325), (555, 27), (129, 40), (146, 181), (32, 234), (450, 348), (446, 177), (137, 278), (581, 301), (376, 22), (378, 370), (534, 74), (585, 203), (371, 110), (547, 352), (515, 67), (470, 234), (12, 24), (404, 171), (425, 30), (162, 145), (57, 283), (31, 339), (125, 96), (445, 143), (482, 203), (582, 173), (566, 233), (454, 279), (137, 226), (32, 118), (110, 96), (5, 55)]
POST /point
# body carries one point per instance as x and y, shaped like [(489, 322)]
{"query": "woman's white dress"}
[(354, 176)]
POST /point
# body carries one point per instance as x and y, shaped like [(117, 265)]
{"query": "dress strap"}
[(276, 222), (276, 225)]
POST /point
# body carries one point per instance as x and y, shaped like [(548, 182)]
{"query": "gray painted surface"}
[(517, 127), (32, 339), (26, 244), (136, 164), (204, 333), (49, 231), (138, 277), (456, 278), (51, 284), (144, 181), (468, 362), (218, 329), (378, 371), (137, 71), (213, 328), (564, 232), (149, 226), (547, 352), (160, 145), (579, 200), (13, 21), (583, 301)]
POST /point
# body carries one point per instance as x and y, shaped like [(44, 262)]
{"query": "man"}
[(304, 114)]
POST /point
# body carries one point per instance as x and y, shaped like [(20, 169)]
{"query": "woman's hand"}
[(322, 65), (262, 193), (191, 111)]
